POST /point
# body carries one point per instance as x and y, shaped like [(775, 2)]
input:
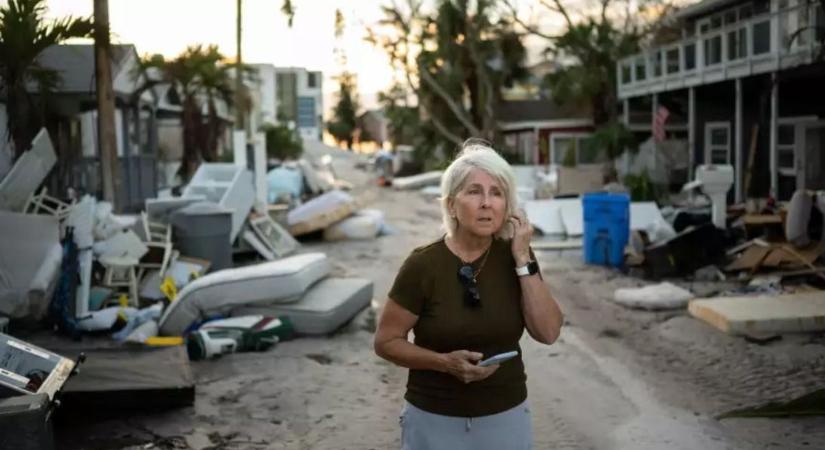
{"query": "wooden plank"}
[(788, 313), (569, 244), (750, 259)]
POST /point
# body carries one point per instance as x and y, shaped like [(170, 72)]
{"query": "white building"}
[(292, 96)]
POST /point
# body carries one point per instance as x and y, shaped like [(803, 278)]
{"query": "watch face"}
[(533, 267)]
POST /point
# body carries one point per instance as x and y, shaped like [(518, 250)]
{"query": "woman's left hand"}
[(523, 231)]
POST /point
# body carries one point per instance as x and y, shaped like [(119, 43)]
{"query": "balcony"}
[(726, 49)]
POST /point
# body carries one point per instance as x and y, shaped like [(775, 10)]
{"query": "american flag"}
[(659, 120)]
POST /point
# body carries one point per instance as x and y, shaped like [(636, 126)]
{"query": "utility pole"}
[(106, 136), (239, 106)]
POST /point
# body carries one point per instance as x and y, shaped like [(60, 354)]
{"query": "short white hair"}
[(476, 154)]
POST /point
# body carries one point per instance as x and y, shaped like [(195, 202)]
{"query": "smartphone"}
[(498, 359)]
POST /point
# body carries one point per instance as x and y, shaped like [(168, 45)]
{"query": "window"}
[(641, 73), (761, 37), (736, 44), (574, 149), (690, 56), (626, 74), (312, 80), (672, 57), (713, 50), (717, 143), (656, 64), (306, 112), (785, 145)]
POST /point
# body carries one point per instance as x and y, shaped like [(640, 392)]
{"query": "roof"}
[(702, 7), (540, 110), (76, 65)]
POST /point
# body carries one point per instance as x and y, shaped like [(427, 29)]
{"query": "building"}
[(542, 132), (292, 96), (745, 85), (72, 122)]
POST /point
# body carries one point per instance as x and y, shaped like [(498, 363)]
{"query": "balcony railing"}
[(759, 44)]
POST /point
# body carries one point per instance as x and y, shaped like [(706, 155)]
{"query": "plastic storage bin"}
[(606, 228), (202, 230)]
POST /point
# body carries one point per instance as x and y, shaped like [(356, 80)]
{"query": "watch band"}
[(527, 269)]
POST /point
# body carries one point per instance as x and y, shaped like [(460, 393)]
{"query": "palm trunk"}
[(106, 136)]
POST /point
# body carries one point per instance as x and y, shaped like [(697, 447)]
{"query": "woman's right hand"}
[(462, 365)]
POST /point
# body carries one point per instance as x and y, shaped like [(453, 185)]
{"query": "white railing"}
[(762, 38)]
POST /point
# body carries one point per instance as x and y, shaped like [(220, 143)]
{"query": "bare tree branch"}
[(559, 8), (442, 129), (531, 29)]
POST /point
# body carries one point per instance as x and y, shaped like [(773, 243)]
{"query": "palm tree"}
[(24, 35), (200, 78)]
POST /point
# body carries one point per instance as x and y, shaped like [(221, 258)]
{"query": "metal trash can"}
[(203, 230)]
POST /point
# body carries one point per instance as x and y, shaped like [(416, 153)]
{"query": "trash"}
[(545, 216), (417, 181), (653, 297), (28, 173), (103, 319), (227, 185), (358, 226), (786, 313), (124, 244), (324, 308), (709, 273), (26, 422), (137, 319), (143, 332), (324, 211), (804, 222), (28, 369), (255, 332), (286, 179), (203, 230), (131, 378), (274, 236), (30, 259), (689, 250), (283, 280)]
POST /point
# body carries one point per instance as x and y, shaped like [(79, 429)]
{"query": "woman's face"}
[(480, 204)]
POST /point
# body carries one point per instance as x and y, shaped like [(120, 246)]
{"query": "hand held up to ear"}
[(462, 365), (523, 231)]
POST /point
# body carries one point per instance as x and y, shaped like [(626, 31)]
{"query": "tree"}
[(455, 60), (345, 118), (402, 118), (200, 78), (24, 35), (282, 142)]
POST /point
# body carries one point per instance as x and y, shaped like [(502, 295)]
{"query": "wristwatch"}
[(530, 268)]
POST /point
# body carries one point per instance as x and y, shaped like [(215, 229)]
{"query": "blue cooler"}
[(606, 228)]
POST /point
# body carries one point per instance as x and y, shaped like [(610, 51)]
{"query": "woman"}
[(469, 296)]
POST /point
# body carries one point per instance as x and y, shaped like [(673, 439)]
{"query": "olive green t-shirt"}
[(428, 286)]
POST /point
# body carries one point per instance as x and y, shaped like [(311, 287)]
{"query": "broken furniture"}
[(324, 308), (282, 280), (120, 272), (158, 240), (716, 181), (269, 238), (44, 203), (227, 185), (30, 258), (28, 173)]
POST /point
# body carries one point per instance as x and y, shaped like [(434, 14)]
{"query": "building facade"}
[(745, 84), (292, 96)]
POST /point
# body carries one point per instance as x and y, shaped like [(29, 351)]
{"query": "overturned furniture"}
[(219, 292), (227, 185)]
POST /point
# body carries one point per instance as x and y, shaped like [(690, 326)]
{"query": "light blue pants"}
[(507, 430)]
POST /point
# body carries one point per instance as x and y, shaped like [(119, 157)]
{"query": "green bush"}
[(283, 143)]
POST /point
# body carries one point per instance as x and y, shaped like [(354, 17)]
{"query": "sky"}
[(169, 26)]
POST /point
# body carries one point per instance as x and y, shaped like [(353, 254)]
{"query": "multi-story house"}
[(745, 85), (292, 96)]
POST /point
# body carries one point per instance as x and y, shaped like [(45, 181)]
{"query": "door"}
[(812, 175)]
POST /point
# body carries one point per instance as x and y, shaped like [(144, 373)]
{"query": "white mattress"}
[(326, 306), (283, 280)]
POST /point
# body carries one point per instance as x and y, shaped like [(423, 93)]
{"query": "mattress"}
[(280, 281), (326, 306)]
